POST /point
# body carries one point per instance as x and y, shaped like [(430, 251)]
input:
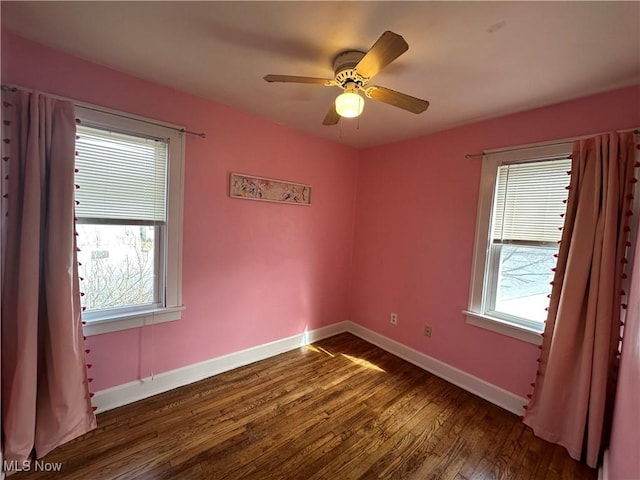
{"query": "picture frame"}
[(251, 187)]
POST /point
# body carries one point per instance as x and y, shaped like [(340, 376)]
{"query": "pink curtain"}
[(574, 389), (45, 397)]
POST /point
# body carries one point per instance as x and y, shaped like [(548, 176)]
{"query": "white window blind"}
[(529, 202), (122, 177)]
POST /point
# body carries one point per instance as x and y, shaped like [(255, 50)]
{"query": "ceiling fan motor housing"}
[(344, 68)]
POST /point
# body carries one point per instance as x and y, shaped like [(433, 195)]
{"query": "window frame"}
[(169, 302), (494, 258), (477, 313), (159, 261)]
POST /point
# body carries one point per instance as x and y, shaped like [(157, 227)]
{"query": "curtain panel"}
[(575, 384), (45, 395)]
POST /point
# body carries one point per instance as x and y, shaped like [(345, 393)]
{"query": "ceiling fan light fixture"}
[(349, 104)]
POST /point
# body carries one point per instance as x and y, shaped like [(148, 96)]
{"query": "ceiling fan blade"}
[(294, 79), (397, 99), (386, 49), (332, 117)]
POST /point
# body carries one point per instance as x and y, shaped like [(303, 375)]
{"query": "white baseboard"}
[(492, 393), (139, 389), (147, 387)]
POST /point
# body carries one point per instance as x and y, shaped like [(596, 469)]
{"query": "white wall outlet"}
[(394, 318), (427, 330)]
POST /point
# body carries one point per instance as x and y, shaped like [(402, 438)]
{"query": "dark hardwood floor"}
[(337, 410)]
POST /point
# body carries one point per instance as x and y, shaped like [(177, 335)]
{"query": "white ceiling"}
[(471, 60)]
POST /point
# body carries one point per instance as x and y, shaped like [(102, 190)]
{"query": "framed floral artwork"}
[(250, 187)]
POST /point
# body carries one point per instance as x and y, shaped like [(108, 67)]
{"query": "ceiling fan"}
[(353, 71)]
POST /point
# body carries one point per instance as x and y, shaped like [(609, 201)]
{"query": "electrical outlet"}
[(427, 330), (394, 318)]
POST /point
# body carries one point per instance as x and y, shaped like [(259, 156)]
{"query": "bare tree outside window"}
[(118, 265), (524, 280)]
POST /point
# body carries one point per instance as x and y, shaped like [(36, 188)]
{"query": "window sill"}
[(505, 328), (114, 323)]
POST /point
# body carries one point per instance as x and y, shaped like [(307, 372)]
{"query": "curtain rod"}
[(482, 154), (14, 88)]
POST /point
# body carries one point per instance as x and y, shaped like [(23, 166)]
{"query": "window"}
[(520, 218), (130, 174)]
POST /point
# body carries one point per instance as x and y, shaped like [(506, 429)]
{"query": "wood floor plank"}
[(339, 409)]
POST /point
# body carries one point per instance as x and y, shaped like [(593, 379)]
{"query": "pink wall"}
[(253, 272), (415, 226), (624, 461)]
